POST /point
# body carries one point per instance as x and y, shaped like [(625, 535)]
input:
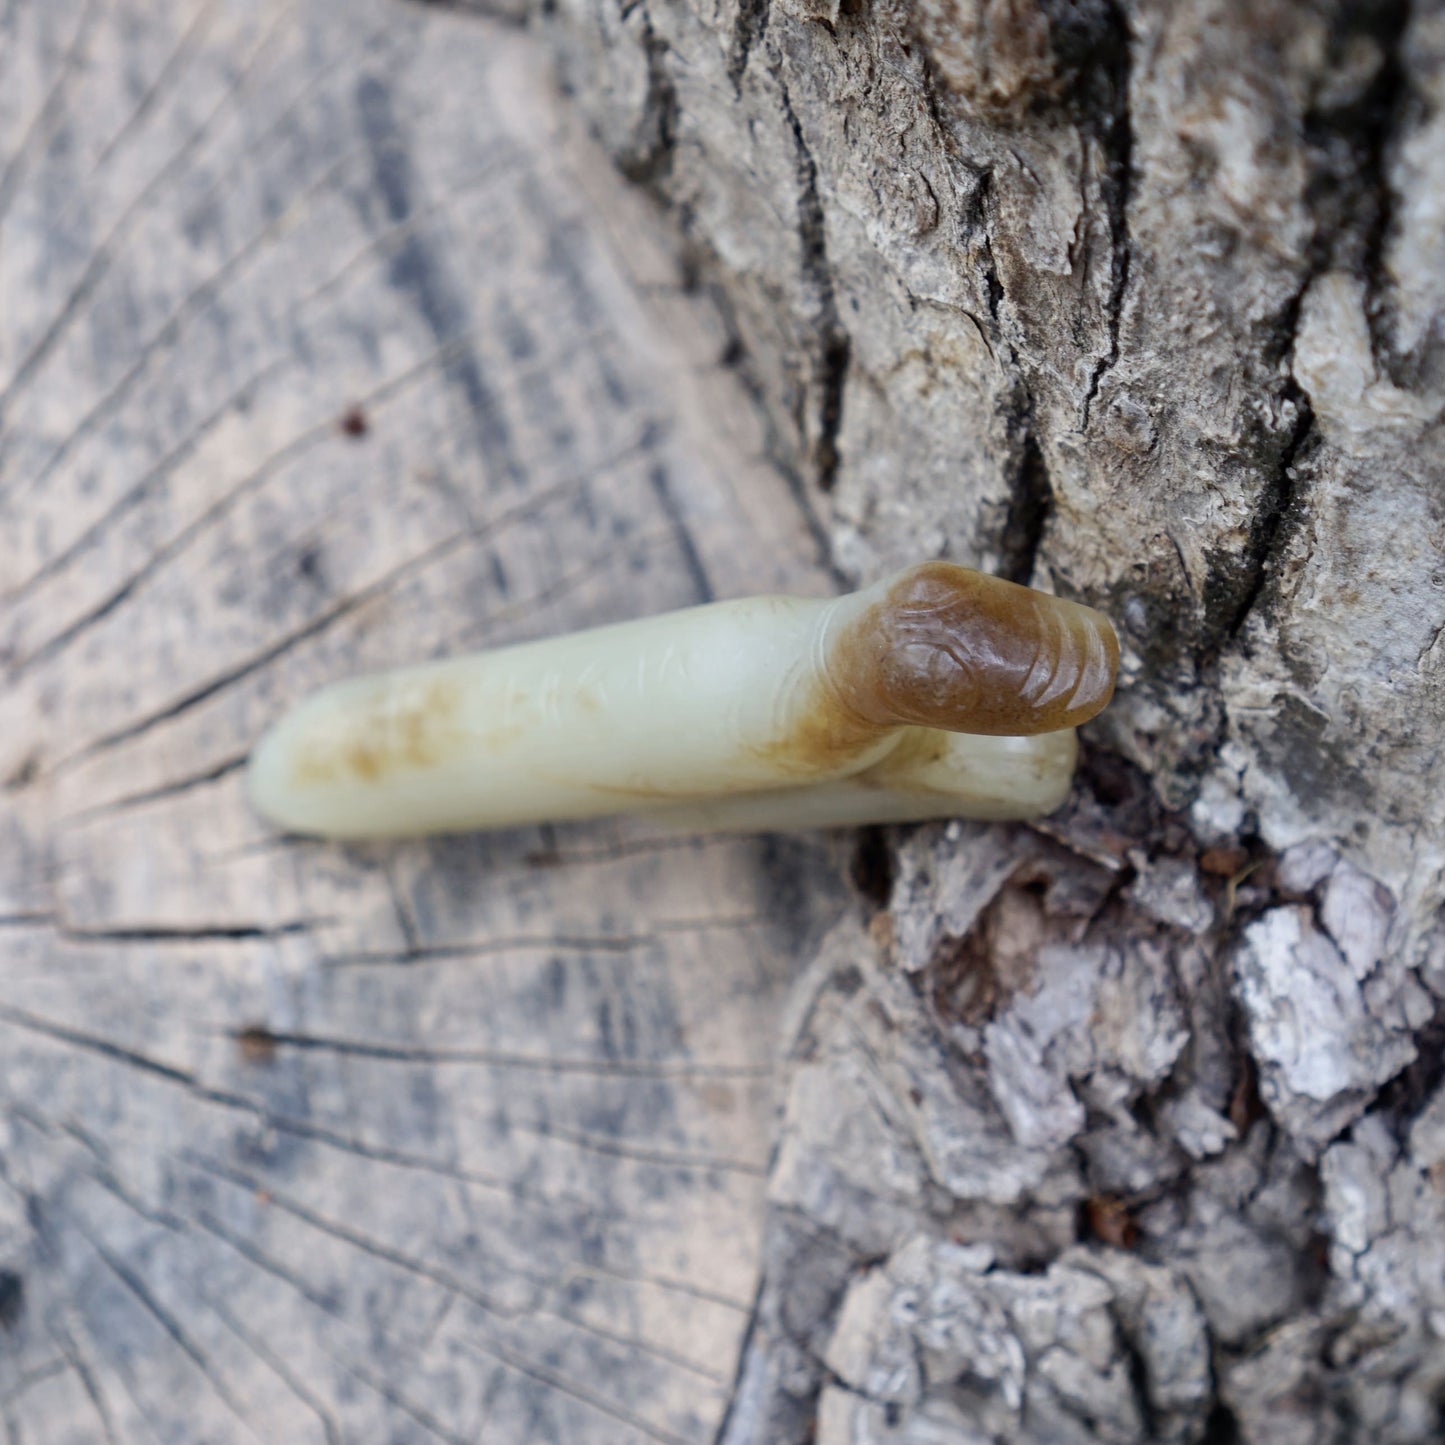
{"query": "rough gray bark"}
[(327, 342), (1127, 1127)]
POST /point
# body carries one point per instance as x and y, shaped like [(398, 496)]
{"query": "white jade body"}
[(666, 709), (763, 712)]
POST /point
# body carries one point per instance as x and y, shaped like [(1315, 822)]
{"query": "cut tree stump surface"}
[(325, 345)]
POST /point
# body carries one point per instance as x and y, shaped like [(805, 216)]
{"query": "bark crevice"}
[(1349, 132), (832, 345), (1116, 136), (1277, 502), (749, 26), (649, 158), (1031, 500), (1370, 130)]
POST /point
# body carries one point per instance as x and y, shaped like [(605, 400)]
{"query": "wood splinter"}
[(937, 693)]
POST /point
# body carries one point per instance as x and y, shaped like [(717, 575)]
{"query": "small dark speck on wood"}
[(256, 1043)]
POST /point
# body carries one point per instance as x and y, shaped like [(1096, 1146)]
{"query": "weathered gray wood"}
[(1140, 301), (451, 1142)]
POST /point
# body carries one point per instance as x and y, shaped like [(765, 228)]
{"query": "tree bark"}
[(330, 341), (1127, 1127)]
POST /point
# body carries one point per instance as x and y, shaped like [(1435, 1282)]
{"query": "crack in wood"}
[(544, 1063), (331, 1429)]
